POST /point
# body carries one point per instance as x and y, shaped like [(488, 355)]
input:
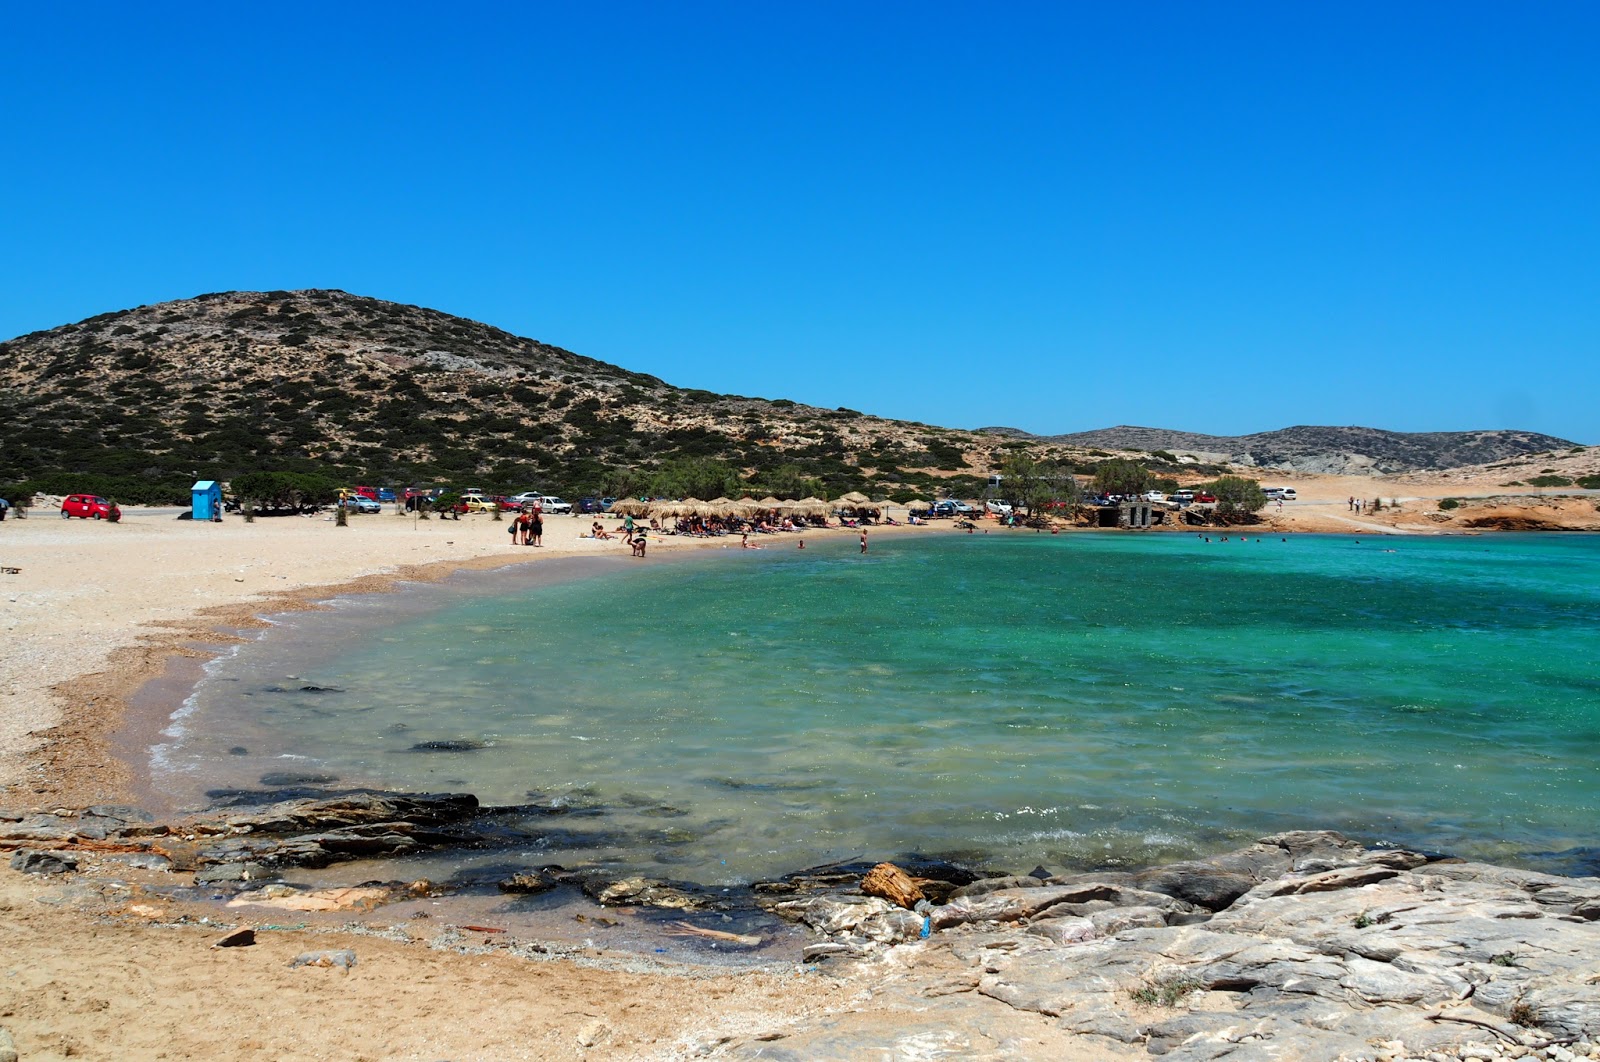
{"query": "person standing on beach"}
[(863, 540), (536, 526)]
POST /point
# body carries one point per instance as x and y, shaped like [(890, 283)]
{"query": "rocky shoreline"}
[(1303, 945)]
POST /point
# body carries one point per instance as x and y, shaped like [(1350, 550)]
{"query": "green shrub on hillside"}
[(1549, 481), (1449, 503)]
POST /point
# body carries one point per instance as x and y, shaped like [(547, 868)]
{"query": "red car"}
[(89, 507), (1204, 497)]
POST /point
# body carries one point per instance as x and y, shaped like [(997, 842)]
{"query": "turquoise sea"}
[(1082, 700)]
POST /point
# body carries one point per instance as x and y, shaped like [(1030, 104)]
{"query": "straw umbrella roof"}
[(918, 503), (630, 507), (769, 502), (854, 498)]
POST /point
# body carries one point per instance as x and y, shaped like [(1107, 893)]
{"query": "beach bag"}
[(512, 530)]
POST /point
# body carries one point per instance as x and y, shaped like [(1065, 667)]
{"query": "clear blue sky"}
[(1222, 217)]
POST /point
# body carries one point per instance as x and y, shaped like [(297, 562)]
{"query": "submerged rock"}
[(650, 892), (448, 746), (279, 779), (531, 881)]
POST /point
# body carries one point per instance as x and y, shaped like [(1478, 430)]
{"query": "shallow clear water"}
[(1085, 700)]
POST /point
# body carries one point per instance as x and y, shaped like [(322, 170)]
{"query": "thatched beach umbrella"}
[(630, 507), (769, 502), (854, 498), (917, 505)]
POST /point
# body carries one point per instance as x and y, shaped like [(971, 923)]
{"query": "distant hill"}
[(139, 403), (1305, 448), (374, 391)]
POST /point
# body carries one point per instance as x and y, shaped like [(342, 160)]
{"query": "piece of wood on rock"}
[(893, 884)]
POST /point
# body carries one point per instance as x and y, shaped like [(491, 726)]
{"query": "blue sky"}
[(1223, 217)]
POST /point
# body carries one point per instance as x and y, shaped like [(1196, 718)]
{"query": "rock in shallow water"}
[(280, 779)]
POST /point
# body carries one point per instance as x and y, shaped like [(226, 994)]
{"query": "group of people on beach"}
[(527, 529)]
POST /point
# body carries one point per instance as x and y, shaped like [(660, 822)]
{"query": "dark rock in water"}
[(279, 779), (530, 881), (448, 746), (767, 787), (238, 750), (322, 828), (30, 861), (937, 878), (650, 892), (320, 689), (1583, 861)]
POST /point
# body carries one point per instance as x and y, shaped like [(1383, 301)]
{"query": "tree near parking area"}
[(285, 491), (1235, 494), (1035, 485), (1119, 475)]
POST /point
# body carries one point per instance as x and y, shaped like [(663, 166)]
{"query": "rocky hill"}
[(1331, 450), (139, 403), (362, 389)]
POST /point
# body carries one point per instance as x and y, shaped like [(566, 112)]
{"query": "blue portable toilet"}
[(206, 499)]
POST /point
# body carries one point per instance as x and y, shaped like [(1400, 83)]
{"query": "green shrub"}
[(1549, 481), (1589, 482), (1164, 991), (1449, 503)]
